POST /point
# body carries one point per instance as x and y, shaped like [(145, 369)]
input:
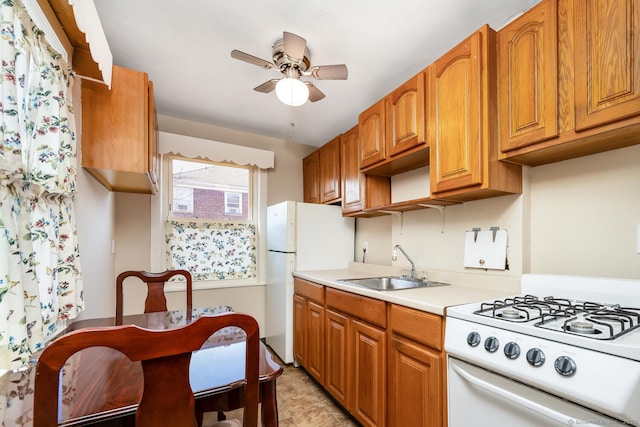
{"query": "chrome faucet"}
[(394, 257)]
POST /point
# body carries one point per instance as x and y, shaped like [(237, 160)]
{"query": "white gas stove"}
[(574, 338)]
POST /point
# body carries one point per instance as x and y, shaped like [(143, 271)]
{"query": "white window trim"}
[(161, 199)]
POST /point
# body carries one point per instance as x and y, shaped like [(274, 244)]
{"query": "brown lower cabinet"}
[(309, 337), (382, 362), (416, 387)]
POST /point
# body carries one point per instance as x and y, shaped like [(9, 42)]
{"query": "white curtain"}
[(40, 279)]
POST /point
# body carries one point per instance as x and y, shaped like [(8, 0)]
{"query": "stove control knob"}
[(535, 357), (491, 344), (512, 350), (473, 339), (565, 366)]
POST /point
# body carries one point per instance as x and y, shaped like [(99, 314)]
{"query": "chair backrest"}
[(156, 300), (167, 399)]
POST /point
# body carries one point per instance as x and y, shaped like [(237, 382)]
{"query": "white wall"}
[(133, 216), (574, 217), (585, 213), (284, 182), (95, 222)]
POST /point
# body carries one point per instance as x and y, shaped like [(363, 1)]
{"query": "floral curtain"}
[(40, 280), (212, 250)]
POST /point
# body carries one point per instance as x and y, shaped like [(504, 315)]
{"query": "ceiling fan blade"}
[(236, 54), (267, 86), (294, 46), (314, 93), (330, 72)]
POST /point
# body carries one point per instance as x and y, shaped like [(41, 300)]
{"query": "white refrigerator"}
[(300, 236)]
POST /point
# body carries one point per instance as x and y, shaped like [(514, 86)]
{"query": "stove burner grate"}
[(605, 322), (585, 318)]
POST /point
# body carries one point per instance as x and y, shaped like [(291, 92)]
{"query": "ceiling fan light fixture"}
[(292, 91)]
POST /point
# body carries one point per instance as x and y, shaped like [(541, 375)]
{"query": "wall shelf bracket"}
[(441, 209), (398, 214)]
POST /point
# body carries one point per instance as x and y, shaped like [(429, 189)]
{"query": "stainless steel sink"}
[(391, 283)]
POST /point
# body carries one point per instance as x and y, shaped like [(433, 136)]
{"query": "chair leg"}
[(221, 416), (199, 416)]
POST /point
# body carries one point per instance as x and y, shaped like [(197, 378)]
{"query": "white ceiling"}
[(185, 47)]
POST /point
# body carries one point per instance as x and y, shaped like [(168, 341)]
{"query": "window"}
[(210, 230), (209, 190), (233, 203)]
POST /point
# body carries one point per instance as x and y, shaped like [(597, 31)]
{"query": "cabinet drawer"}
[(425, 328), (368, 309), (309, 290)]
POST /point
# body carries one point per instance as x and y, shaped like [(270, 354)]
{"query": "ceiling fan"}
[(292, 58)]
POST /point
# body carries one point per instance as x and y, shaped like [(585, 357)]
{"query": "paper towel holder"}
[(476, 230)]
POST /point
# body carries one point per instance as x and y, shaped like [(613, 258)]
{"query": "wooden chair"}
[(156, 300), (167, 398)]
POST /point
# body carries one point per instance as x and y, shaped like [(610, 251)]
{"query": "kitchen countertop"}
[(464, 287)]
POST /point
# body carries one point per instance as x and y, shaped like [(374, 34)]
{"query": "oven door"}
[(478, 398)]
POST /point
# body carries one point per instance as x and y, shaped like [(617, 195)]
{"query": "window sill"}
[(212, 284)]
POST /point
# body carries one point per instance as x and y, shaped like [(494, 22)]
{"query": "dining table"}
[(101, 387)]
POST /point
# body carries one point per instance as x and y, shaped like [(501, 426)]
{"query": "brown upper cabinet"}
[(321, 174), (311, 177), (392, 131), (528, 97), (462, 124), (359, 191), (330, 184), (120, 132), (372, 134), (569, 83), (405, 116), (607, 61)]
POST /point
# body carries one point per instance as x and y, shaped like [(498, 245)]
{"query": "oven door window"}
[(478, 398)]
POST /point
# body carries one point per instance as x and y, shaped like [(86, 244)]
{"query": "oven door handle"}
[(534, 406)]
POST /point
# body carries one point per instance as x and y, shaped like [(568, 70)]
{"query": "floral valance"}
[(198, 148)]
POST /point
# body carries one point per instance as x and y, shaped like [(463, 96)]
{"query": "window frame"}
[(250, 189), (160, 214)]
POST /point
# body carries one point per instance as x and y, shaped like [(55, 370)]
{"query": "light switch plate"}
[(638, 241)]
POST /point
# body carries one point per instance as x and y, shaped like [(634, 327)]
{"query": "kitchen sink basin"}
[(391, 283)]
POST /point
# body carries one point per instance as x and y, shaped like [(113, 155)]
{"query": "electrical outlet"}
[(365, 246)]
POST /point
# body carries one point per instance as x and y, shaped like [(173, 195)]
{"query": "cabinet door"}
[(314, 353), (528, 83), (455, 86), (299, 330), (369, 374), (372, 133), (337, 353), (360, 191), (352, 180), (116, 139), (415, 384), (405, 116), (330, 184), (607, 61), (311, 177)]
